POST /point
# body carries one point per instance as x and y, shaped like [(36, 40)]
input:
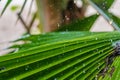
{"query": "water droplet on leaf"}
[(98, 13), (96, 38), (111, 21), (84, 71), (83, 65)]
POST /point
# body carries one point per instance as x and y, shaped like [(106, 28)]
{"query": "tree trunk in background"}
[(58, 12), (52, 14)]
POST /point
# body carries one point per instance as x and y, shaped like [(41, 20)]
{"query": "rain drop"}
[(26, 69), (98, 63), (99, 53), (80, 50), (111, 21), (62, 32), (25, 36), (77, 42), (84, 71), (98, 13), (104, 7), (111, 40), (103, 4), (17, 60), (97, 50), (83, 65), (96, 38), (58, 25), (22, 54), (75, 1), (75, 67), (98, 68), (66, 30), (96, 77), (88, 20), (64, 45), (67, 18), (102, 51), (14, 79), (63, 54), (16, 50)]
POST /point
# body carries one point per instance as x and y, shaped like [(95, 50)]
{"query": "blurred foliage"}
[(15, 7), (79, 25)]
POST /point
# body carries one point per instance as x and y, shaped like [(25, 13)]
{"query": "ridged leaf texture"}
[(59, 56)]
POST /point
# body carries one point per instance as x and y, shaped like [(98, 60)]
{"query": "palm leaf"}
[(105, 14), (80, 25), (116, 72), (7, 4), (104, 4), (64, 55), (116, 19)]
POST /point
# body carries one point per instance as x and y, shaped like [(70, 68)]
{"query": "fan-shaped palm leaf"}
[(65, 55)]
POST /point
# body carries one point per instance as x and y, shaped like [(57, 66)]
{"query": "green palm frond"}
[(80, 25), (116, 19), (115, 71), (64, 55), (104, 4)]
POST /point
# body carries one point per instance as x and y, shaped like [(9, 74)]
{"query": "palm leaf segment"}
[(64, 55)]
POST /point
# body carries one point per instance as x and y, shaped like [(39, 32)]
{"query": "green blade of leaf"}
[(114, 75), (104, 4), (59, 57), (6, 5), (80, 25)]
